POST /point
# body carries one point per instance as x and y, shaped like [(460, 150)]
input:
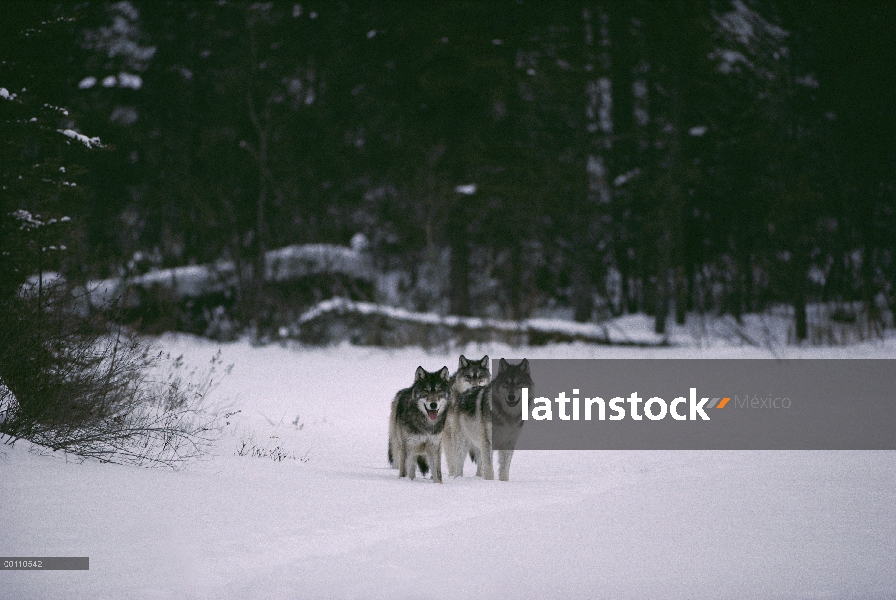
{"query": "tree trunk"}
[(873, 316), (516, 283), (799, 309), (649, 295), (799, 296), (662, 302), (681, 295), (623, 291), (460, 272), (633, 295), (582, 299), (261, 124), (737, 299)]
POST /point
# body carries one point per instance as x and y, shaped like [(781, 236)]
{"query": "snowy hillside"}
[(332, 520)]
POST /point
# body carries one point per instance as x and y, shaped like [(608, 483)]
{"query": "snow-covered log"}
[(366, 323), (282, 265)]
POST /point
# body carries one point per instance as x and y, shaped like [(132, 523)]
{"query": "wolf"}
[(417, 421), (393, 442), (488, 411), (469, 374)]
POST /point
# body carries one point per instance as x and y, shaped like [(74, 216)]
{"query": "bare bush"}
[(68, 382), (274, 450)]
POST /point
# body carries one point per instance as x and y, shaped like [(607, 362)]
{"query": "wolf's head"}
[(511, 379), (471, 373), (430, 392)]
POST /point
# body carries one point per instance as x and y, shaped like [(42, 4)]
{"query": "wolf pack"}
[(459, 415)]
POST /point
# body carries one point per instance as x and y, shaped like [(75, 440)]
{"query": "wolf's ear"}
[(524, 366), (444, 373), (464, 363), (420, 374), (502, 365), (484, 361)]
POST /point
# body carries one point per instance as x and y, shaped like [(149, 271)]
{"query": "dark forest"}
[(499, 159)]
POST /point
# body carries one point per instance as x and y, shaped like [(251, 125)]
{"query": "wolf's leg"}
[(402, 458), (504, 457), (459, 454), (483, 446), (435, 457), (471, 449), (410, 465), (476, 457), (449, 443), (455, 466), (485, 457), (488, 470)]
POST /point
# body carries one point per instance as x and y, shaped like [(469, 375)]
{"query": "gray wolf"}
[(470, 374), (488, 411), (393, 442), (417, 422)]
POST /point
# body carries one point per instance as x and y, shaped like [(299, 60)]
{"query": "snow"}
[(768, 331), (90, 142), (129, 80), (610, 331), (748, 26), (729, 59), (26, 220), (624, 178), (359, 242), (282, 264), (291, 262), (336, 521), (47, 280), (120, 39), (807, 80)]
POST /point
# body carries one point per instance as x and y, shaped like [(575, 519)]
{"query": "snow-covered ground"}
[(334, 521)]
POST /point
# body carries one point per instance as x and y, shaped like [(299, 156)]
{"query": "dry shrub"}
[(69, 382)]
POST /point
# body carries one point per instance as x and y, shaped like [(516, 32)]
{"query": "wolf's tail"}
[(391, 457), (392, 413)]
